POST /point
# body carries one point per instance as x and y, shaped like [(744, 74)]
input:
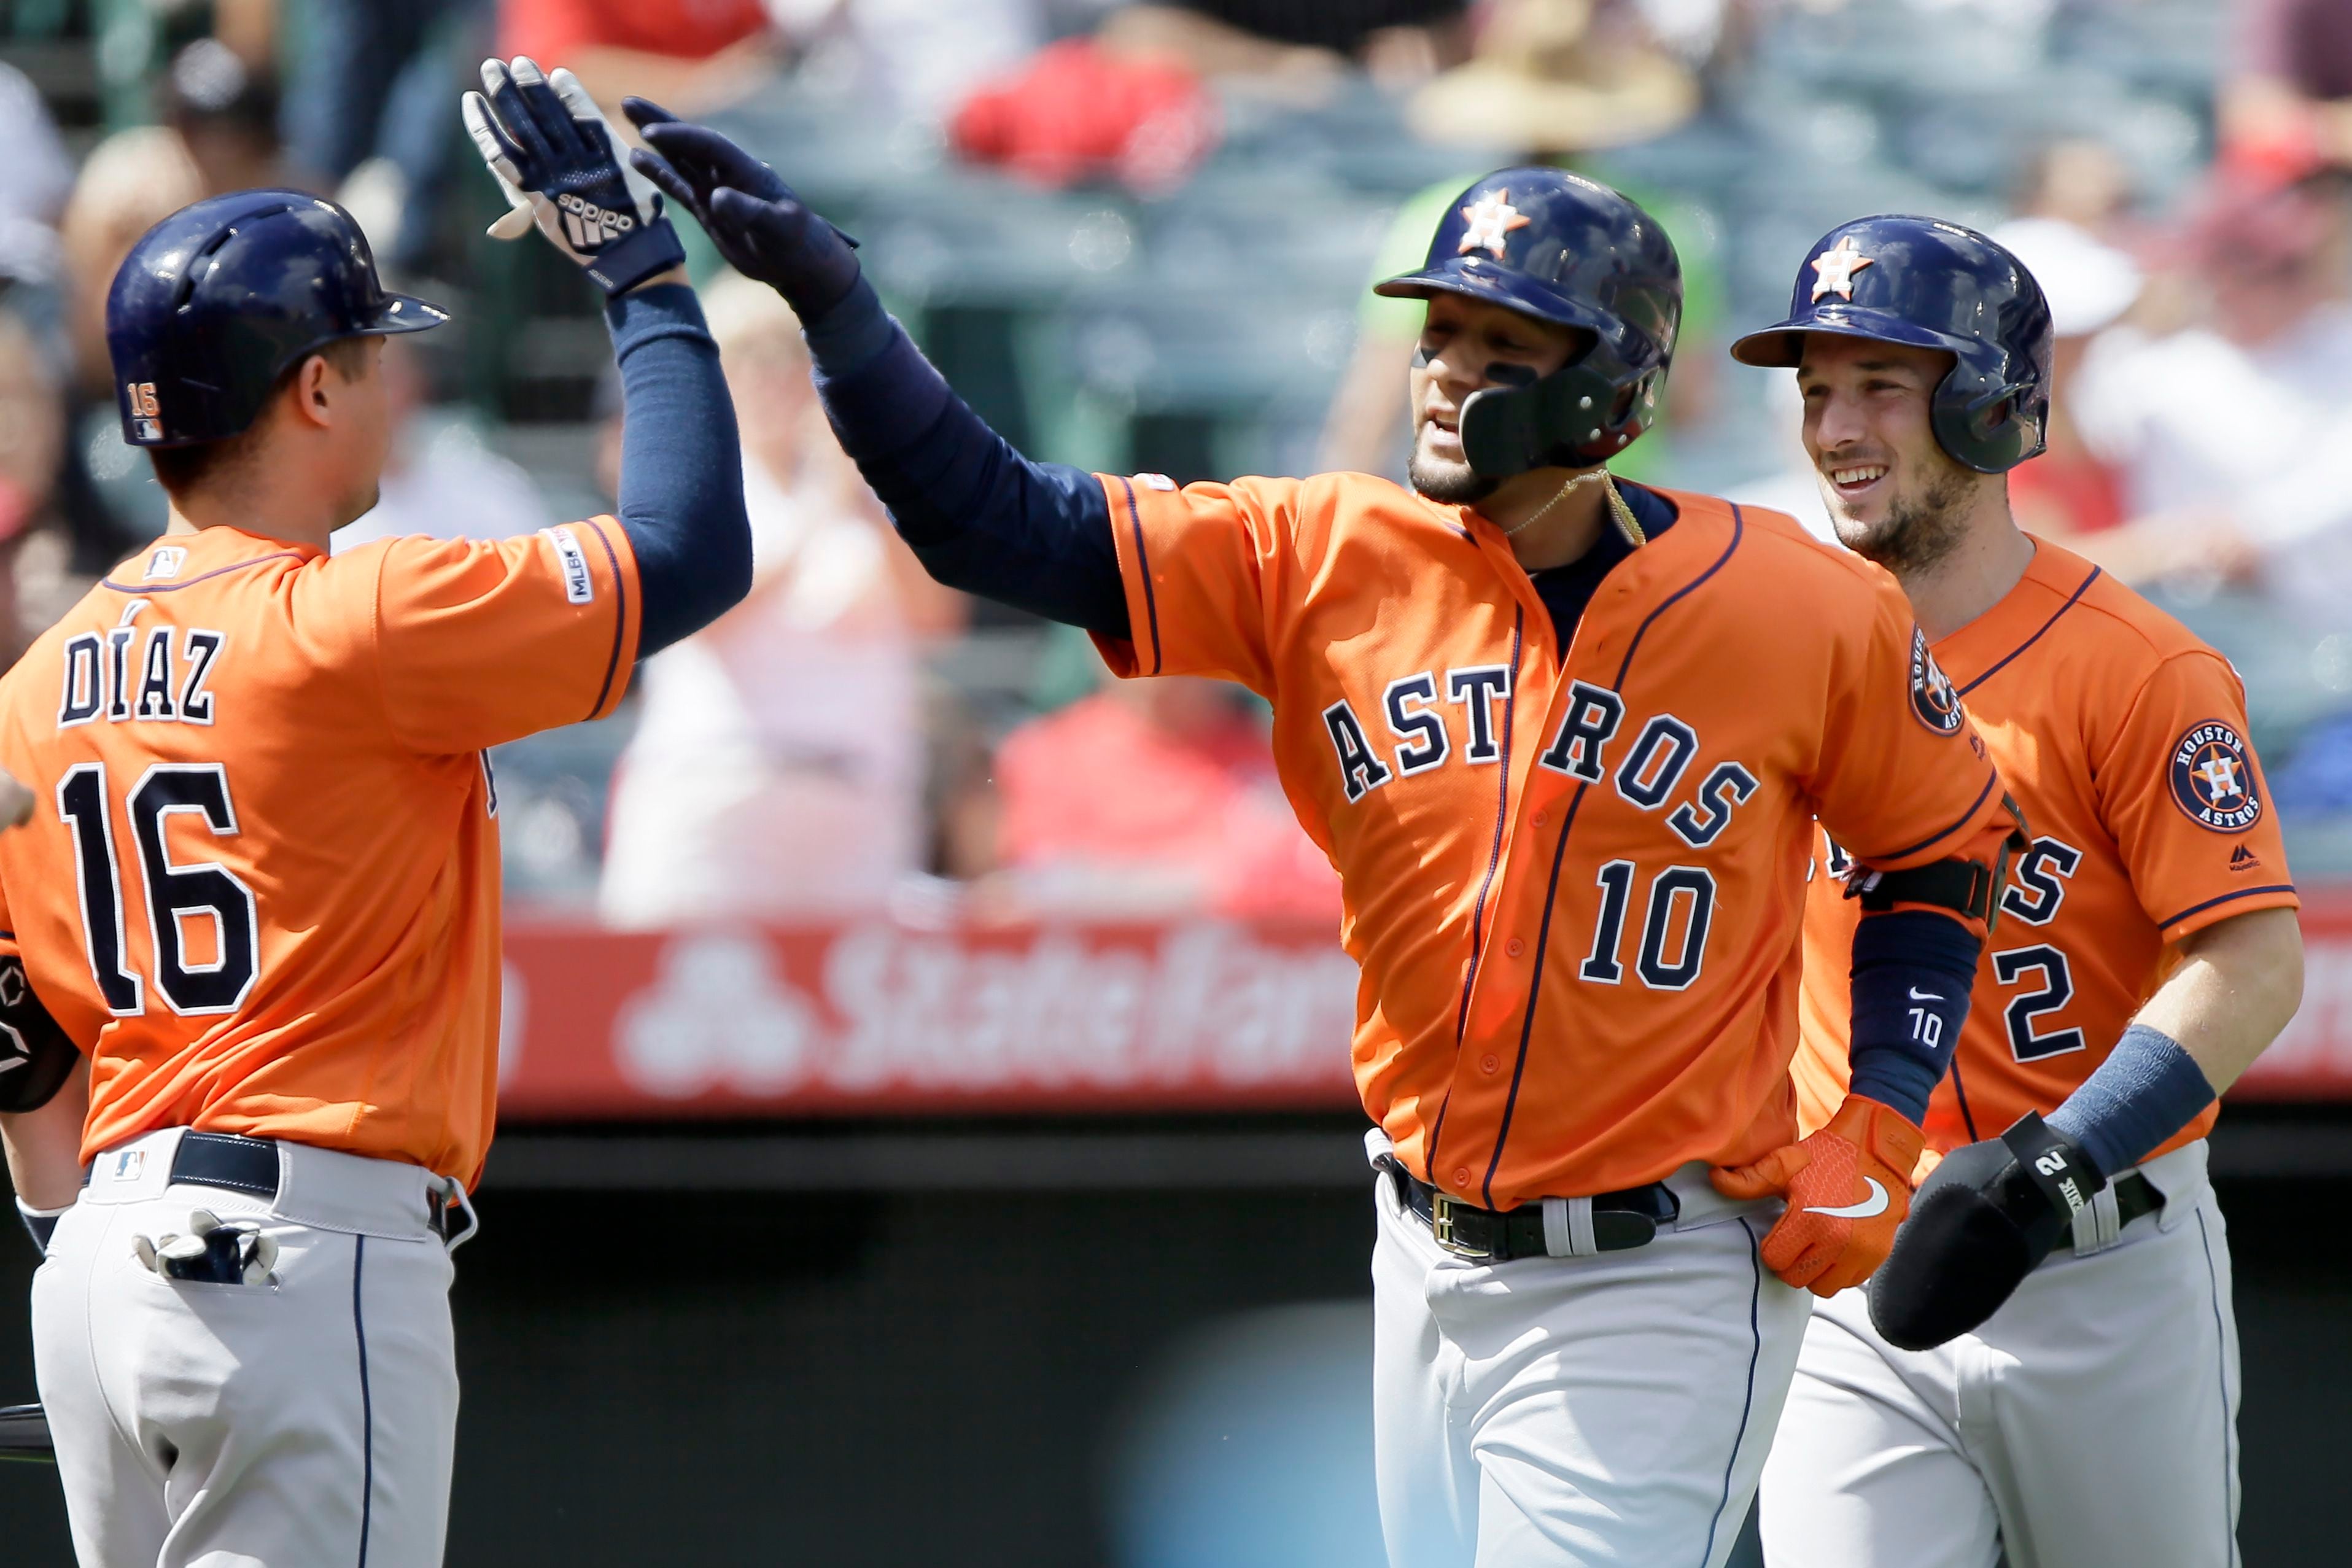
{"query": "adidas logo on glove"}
[(590, 227)]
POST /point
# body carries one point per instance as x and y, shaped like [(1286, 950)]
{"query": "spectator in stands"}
[(1297, 49), (2286, 105), (371, 99), (2234, 434), (690, 56), (1151, 798), (225, 112), (131, 181), (1557, 82), (32, 440), (442, 479), (777, 766), (2070, 490), (33, 179)]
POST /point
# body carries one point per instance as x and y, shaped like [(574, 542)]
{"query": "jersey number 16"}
[(176, 894)]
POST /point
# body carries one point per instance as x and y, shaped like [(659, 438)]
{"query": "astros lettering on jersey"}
[(2123, 740), (1574, 885), (265, 898)]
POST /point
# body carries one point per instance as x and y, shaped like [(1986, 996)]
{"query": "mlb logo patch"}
[(165, 563), (579, 585), (127, 1164)]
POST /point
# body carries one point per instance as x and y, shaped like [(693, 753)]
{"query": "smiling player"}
[(1564, 746), (1985, 1404)]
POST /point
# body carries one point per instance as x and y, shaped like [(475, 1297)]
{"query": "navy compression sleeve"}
[(1913, 970), (978, 515), (681, 465)]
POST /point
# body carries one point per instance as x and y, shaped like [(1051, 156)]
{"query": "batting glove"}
[(762, 230), (1848, 1187), (16, 802), (1985, 1218), (555, 157)]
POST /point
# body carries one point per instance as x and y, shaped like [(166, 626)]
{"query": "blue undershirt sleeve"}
[(1913, 970), (978, 515), (681, 497)]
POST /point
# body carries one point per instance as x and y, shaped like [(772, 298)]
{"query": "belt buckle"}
[(1440, 1226)]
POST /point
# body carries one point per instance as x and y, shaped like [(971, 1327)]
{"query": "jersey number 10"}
[(176, 894)]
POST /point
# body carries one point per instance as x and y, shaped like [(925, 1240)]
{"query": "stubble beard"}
[(1920, 528), (1447, 484)]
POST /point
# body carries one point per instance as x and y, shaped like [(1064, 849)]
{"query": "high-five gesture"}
[(555, 156), (762, 230)]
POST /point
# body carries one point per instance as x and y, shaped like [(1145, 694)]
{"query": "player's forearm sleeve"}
[(1913, 970), (681, 466), (978, 515), (2148, 1089)]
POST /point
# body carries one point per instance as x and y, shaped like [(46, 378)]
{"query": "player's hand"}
[(1848, 1187), (556, 158), (762, 230), (1984, 1221), (16, 802)]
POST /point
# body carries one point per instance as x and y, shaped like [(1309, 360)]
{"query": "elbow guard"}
[(35, 1056), (1969, 888)]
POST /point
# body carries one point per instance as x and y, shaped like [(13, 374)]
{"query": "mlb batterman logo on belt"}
[(2212, 779)]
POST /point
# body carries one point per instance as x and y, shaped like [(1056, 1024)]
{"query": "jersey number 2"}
[(176, 894)]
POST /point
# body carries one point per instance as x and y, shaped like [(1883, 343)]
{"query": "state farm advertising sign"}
[(879, 1018), (876, 1018)]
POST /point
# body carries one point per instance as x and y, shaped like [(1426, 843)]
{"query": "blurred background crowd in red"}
[(1138, 237)]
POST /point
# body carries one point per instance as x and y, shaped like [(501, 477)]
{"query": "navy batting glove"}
[(556, 159), (762, 230), (1980, 1223)]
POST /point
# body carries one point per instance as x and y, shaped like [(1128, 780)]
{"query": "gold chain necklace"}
[(1626, 523)]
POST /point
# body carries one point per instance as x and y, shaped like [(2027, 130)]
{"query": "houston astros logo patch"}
[(1491, 218), (1837, 267), (1932, 697), (2213, 779)]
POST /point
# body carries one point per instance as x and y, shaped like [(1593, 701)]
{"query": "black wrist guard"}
[(36, 1058)]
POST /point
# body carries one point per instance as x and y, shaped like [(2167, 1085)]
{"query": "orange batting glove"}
[(1848, 1187)]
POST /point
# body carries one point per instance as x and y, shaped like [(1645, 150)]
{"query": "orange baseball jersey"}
[(1574, 886), (2123, 740), (261, 891)]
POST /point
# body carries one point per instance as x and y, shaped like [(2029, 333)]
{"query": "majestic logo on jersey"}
[(1491, 217), (2214, 778), (1837, 267), (165, 563), (146, 412), (1932, 697)]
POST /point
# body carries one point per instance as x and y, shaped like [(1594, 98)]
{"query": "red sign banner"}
[(874, 1018)]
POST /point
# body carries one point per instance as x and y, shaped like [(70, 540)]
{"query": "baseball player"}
[(2046, 1373), (261, 891), (1563, 744)]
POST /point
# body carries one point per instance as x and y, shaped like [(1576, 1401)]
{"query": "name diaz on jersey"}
[(170, 681)]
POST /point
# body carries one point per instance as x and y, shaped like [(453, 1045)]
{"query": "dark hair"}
[(181, 469)]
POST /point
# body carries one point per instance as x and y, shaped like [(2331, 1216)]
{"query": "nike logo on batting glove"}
[(1869, 1209)]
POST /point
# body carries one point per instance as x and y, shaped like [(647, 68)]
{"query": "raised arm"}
[(979, 516)]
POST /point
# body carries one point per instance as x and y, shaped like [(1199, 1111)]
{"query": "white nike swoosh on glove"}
[(1874, 1205)]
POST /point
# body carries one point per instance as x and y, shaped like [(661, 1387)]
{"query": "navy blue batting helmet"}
[(1561, 248), (216, 301), (1932, 284)]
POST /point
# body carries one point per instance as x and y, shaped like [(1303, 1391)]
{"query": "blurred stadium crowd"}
[(1138, 237)]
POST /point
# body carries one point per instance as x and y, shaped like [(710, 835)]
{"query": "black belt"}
[(1620, 1220), (219, 1160), (2136, 1198), (250, 1165)]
